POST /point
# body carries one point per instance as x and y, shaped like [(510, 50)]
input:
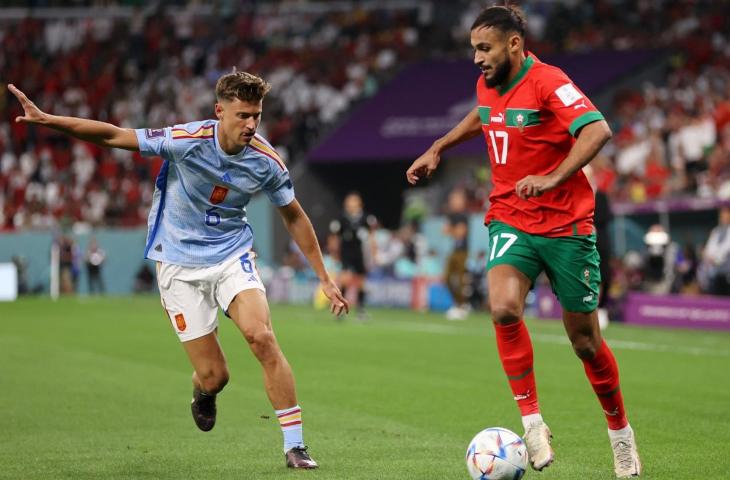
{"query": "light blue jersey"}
[(198, 214)]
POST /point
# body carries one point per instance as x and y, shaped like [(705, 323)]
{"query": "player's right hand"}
[(338, 303), (31, 113), (424, 166)]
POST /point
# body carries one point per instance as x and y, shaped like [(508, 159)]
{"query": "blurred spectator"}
[(21, 266), (295, 260), (477, 284), (687, 263), (408, 265), (95, 258), (715, 269), (602, 218), (332, 256), (456, 275), (628, 273), (388, 248), (660, 260), (68, 264), (144, 279)]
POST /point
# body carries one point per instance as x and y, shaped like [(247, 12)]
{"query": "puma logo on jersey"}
[(580, 105), (498, 119)]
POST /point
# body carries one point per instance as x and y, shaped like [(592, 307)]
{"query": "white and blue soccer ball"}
[(496, 454)]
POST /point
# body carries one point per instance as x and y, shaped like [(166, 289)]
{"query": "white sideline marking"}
[(640, 346), (561, 339)]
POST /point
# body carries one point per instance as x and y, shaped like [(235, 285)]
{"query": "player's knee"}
[(262, 342), (506, 312), (213, 379), (584, 348)]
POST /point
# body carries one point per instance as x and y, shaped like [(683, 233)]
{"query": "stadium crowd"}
[(154, 69), (158, 69)]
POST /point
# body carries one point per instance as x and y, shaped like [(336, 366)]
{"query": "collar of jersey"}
[(220, 150), (520, 75)]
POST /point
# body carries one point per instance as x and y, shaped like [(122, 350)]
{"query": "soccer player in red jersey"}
[(540, 130)]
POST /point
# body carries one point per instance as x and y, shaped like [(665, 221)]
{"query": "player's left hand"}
[(31, 113), (338, 304), (535, 185)]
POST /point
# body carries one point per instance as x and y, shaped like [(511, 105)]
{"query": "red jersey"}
[(529, 126)]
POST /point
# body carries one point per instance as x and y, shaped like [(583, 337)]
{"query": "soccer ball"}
[(496, 454)]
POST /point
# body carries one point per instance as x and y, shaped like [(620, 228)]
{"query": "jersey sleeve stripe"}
[(202, 127), (200, 134), (583, 120), (264, 146), (178, 137), (200, 131), (267, 149), (273, 157)]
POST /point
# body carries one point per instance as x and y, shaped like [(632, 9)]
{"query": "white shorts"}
[(191, 295)]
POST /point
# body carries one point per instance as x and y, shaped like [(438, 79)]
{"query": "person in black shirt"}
[(353, 229)]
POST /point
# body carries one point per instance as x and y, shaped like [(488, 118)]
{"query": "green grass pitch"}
[(100, 389)]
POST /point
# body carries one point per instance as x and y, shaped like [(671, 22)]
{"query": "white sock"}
[(620, 433), (290, 420), (531, 419)]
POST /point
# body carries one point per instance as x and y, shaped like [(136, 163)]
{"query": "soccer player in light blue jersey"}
[(201, 240)]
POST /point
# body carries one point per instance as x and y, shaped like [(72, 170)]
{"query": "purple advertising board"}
[(687, 311), (427, 99), (681, 204)]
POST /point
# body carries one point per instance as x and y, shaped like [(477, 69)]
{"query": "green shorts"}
[(571, 263)]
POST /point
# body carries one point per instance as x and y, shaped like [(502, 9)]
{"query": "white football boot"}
[(625, 456), (537, 439)]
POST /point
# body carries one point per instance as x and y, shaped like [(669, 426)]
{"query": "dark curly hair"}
[(507, 18)]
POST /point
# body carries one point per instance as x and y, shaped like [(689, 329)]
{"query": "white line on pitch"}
[(561, 339)]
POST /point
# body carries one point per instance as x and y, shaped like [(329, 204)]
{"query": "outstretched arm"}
[(426, 164), (591, 139), (100, 133), (300, 228)]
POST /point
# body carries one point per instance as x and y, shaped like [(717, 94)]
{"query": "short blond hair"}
[(244, 86)]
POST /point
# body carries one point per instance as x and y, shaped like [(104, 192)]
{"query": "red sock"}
[(602, 372), (515, 351)]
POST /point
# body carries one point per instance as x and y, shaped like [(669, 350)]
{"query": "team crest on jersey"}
[(587, 276), (218, 195), (180, 322), (520, 122), (154, 132)]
